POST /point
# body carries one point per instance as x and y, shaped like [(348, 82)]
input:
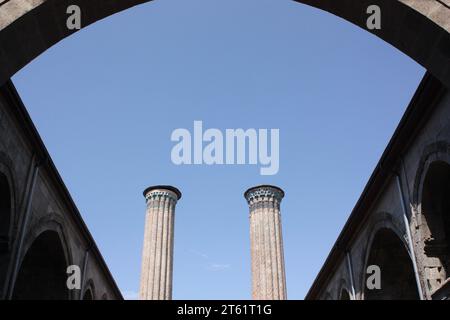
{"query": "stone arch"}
[(431, 197), (8, 216), (89, 292), (378, 221), (42, 272), (7, 203), (88, 295), (50, 224), (389, 252), (419, 30), (437, 151)]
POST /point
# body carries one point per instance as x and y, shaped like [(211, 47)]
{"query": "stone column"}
[(157, 252), (268, 274)]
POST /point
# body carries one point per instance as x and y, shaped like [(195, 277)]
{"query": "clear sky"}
[(107, 99)]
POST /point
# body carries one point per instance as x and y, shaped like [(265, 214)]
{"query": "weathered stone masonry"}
[(266, 242), (404, 206), (41, 229), (401, 221), (157, 253)]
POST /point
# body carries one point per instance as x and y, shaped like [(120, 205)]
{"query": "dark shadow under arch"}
[(398, 282), (88, 295), (89, 292), (42, 274), (436, 214), (5, 213), (344, 295)]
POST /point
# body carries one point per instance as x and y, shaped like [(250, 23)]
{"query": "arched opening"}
[(344, 295), (42, 274), (430, 33), (5, 213), (436, 215), (396, 270), (88, 295), (18, 51)]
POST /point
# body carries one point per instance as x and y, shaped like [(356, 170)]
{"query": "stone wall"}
[(419, 28), (38, 206), (381, 235)]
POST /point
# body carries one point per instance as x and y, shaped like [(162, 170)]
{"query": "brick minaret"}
[(268, 274), (157, 253)]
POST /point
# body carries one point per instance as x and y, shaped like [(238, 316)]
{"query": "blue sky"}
[(107, 99)]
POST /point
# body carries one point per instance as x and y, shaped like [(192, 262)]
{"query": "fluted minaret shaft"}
[(157, 252), (268, 273)]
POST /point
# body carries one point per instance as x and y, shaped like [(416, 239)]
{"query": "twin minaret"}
[(157, 253), (266, 243), (268, 274)]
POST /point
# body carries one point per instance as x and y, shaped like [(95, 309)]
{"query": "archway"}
[(35, 27), (397, 273), (5, 213), (42, 274), (419, 30), (436, 215), (88, 295)]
